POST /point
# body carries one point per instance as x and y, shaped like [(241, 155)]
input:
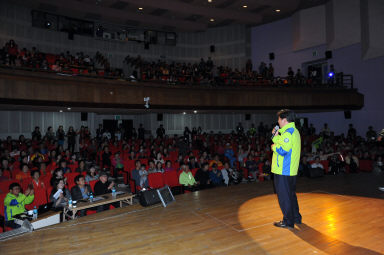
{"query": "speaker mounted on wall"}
[(212, 48), (159, 117), (347, 115), (328, 54), (271, 56), (84, 116), (247, 116)]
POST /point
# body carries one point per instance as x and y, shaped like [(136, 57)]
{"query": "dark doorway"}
[(110, 125), (128, 126)]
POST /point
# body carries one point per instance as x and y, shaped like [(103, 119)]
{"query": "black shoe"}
[(282, 224), (298, 222)]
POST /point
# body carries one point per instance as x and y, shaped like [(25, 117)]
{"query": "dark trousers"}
[(286, 193)]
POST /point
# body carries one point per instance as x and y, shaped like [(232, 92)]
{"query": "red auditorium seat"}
[(156, 180), (92, 184), (40, 198), (194, 171), (171, 179), (71, 179), (366, 165), (4, 185)]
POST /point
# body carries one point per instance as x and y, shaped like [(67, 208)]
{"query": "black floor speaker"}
[(316, 172), (149, 197)]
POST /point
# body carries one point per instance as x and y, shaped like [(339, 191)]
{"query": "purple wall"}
[(368, 75)]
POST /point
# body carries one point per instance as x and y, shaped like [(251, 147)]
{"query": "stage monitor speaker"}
[(84, 116), (149, 197), (165, 195), (347, 114), (159, 117), (271, 56), (212, 48), (328, 54), (247, 116)]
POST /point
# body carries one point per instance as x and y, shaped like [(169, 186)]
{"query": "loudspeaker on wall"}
[(212, 48), (347, 114), (159, 117), (271, 56), (84, 116)]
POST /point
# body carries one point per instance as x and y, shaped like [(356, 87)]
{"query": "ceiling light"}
[(69, 108), (212, 20), (209, 1), (194, 111), (61, 111), (140, 8), (184, 113), (277, 10), (245, 6)]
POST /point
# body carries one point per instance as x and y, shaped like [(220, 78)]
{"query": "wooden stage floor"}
[(232, 220)]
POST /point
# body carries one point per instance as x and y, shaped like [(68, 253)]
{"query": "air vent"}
[(159, 12), (119, 5), (225, 4), (193, 17), (261, 8)]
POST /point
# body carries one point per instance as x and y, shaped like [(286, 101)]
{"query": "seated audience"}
[(186, 178), (216, 176), (202, 177), (59, 195), (91, 175), (14, 203), (80, 191), (103, 186)]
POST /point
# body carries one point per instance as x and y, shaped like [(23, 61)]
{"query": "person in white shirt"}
[(317, 163)]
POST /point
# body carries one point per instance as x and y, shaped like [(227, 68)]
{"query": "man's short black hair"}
[(34, 171), (78, 177), (15, 184), (287, 114)]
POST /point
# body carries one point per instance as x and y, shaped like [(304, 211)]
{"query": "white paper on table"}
[(57, 194)]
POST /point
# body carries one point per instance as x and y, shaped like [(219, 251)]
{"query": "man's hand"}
[(272, 146), (111, 185)]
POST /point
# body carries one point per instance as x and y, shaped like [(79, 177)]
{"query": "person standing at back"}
[(286, 149)]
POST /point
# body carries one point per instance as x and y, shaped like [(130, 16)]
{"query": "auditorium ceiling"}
[(175, 15)]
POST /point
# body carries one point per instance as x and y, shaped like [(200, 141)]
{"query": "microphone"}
[(276, 129)]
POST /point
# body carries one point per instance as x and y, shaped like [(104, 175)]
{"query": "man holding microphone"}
[(286, 150)]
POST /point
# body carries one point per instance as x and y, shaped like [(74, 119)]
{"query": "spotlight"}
[(331, 74), (61, 111), (194, 111), (212, 20), (184, 113), (69, 108), (245, 6), (277, 10)]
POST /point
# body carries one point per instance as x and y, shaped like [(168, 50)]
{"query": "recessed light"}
[(69, 108), (140, 8), (212, 20), (245, 6), (209, 1), (194, 111), (61, 111), (277, 10), (184, 113)]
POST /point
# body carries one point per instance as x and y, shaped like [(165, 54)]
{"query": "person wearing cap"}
[(103, 186)]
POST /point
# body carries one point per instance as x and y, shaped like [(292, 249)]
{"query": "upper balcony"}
[(28, 88)]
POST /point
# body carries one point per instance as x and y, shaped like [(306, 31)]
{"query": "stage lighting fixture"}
[(48, 24), (212, 20), (331, 74), (277, 10)]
